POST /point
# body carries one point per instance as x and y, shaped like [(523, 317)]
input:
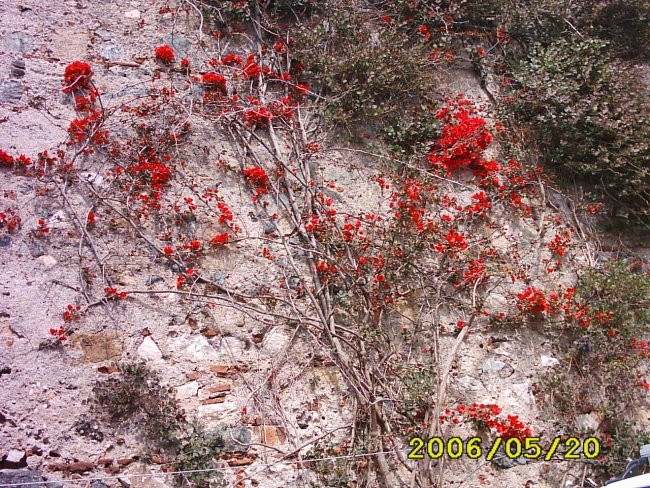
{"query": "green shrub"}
[(590, 118), (137, 396)]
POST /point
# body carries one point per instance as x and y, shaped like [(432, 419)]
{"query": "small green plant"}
[(607, 353), (198, 452), (138, 396)]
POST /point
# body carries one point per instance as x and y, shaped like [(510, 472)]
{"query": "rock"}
[(549, 362), (153, 279), (200, 349), (5, 241), (236, 439), (149, 350), (103, 34), (22, 478), (587, 423), (179, 43), (188, 390), (18, 68), (210, 401), (132, 14), (269, 227), (48, 262), (105, 461), (14, 459), (491, 365), (219, 278), (11, 91), (112, 52), (231, 347), (19, 42), (80, 467), (125, 482), (37, 250), (125, 461), (275, 341), (193, 375), (98, 484), (224, 387), (98, 347)]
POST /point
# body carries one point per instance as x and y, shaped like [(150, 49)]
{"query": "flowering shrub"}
[(214, 80), (488, 416)]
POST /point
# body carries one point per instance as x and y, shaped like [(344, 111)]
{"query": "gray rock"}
[(219, 278), (104, 34), (153, 279), (37, 250), (22, 478), (18, 68), (188, 390), (112, 52), (236, 439), (179, 43), (587, 423), (5, 241), (19, 42), (269, 227), (11, 91)]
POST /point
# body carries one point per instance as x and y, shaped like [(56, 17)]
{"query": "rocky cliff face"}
[(198, 277)]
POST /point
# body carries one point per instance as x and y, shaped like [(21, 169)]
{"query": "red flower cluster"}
[(231, 59), (71, 313), (10, 220), (214, 80), (113, 293), (59, 334), (164, 54), (220, 239), (464, 138), (533, 300), (6, 159), (487, 415), (258, 177), (77, 76)]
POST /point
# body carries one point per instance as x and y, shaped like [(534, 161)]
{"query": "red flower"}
[(168, 250), (165, 54), (185, 63), (77, 76), (231, 59), (214, 80), (220, 239), (6, 159), (258, 177)]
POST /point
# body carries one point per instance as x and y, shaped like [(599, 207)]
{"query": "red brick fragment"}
[(211, 401)]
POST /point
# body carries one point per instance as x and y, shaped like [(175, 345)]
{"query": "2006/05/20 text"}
[(529, 448)]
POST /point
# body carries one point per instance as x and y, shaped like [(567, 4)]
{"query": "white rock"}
[(149, 350), (587, 423), (548, 361), (231, 347), (275, 341), (15, 456), (48, 262), (217, 409), (491, 365), (201, 350), (132, 14), (188, 390)]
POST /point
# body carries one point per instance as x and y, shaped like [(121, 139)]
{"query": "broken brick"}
[(105, 461), (245, 461), (193, 375), (125, 461), (224, 387), (211, 401)]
